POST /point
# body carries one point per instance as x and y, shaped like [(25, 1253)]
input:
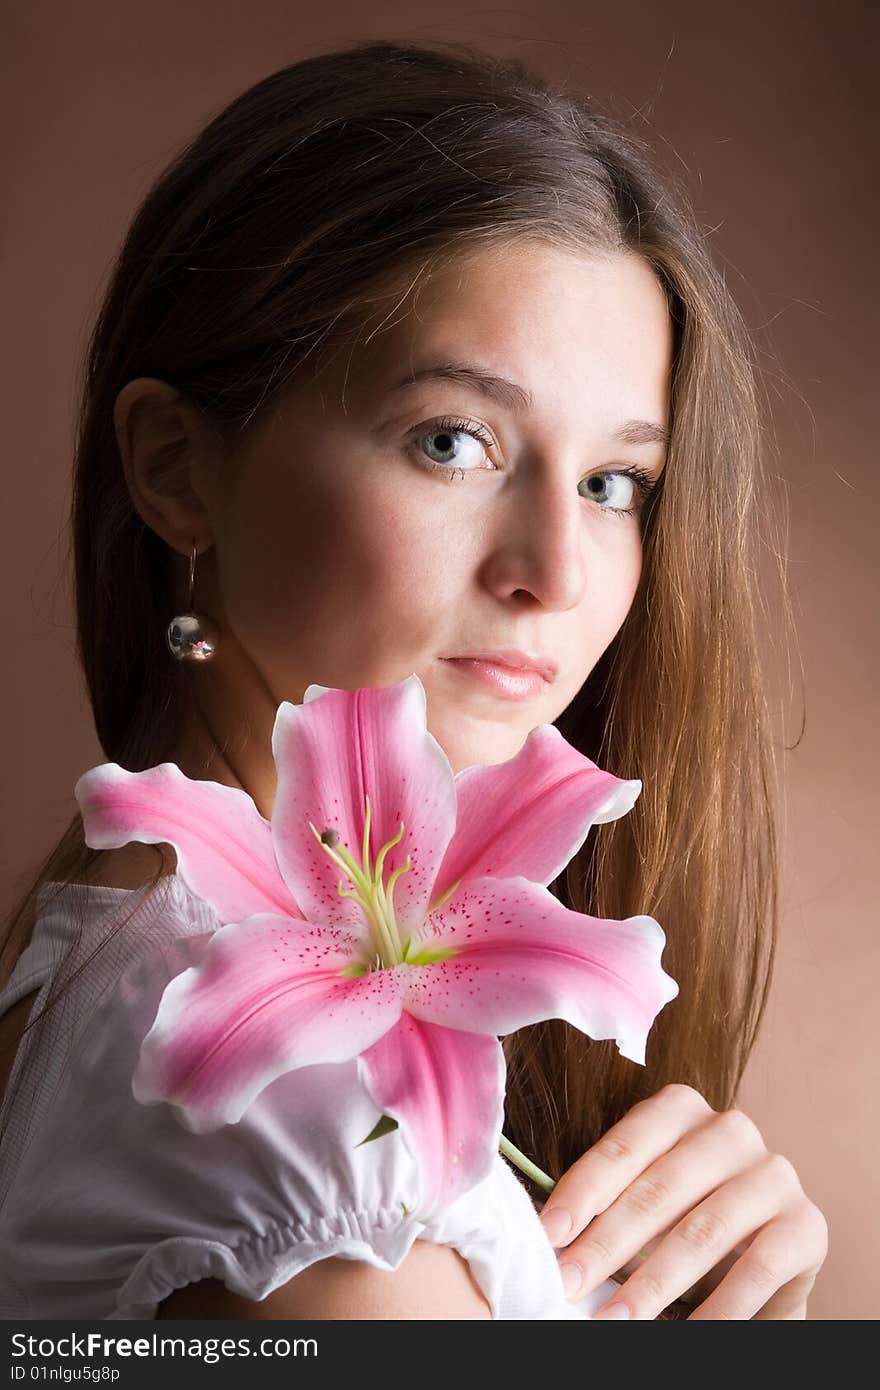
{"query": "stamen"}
[(375, 898), (344, 860), (404, 869), (444, 897), (380, 860)]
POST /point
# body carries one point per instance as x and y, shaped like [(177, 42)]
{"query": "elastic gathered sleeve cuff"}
[(260, 1264)]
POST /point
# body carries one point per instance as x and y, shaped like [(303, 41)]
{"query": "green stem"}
[(532, 1171), (525, 1165)]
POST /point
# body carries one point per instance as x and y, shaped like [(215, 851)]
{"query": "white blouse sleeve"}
[(123, 1204)]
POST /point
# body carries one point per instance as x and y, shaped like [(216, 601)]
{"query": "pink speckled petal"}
[(332, 750), (266, 998), (524, 958), (531, 814), (445, 1088), (223, 844)]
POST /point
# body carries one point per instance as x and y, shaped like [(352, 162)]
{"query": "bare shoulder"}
[(433, 1282)]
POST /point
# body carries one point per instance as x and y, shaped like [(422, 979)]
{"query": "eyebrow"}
[(512, 396)]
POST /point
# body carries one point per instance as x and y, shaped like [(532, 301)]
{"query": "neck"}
[(230, 744)]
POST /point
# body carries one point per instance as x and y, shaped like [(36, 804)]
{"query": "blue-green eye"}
[(445, 430), (643, 487)]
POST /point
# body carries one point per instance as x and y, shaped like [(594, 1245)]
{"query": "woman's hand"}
[(718, 1219)]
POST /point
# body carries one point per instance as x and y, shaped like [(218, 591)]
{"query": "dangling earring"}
[(191, 636)]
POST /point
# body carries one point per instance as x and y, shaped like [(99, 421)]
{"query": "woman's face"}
[(349, 553)]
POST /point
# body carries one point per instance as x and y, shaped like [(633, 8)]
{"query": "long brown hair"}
[(300, 217)]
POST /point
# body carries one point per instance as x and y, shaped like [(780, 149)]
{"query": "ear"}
[(167, 449)]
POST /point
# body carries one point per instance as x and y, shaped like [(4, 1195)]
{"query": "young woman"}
[(414, 358)]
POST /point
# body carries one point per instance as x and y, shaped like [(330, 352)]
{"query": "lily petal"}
[(266, 998), (445, 1088), (329, 753), (524, 957), (531, 814), (223, 844)]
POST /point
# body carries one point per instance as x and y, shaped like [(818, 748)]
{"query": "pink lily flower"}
[(413, 952)]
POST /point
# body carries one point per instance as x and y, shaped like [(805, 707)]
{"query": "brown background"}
[(768, 109)]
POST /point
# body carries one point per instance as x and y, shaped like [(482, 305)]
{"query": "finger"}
[(703, 1237), (770, 1271), (724, 1146), (594, 1180)]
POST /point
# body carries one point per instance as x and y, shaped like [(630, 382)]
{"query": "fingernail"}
[(557, 1224), (571, 1278), (612, 1310)]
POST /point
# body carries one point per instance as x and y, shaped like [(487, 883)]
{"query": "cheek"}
[(626, 564), (614, 569), (336, 584)]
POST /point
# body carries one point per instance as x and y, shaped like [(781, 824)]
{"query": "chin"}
[(468, 738), (484, 752)]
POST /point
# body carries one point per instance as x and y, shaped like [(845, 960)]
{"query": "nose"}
[(538, 545)]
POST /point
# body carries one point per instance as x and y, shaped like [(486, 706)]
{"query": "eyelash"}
[(644, 481)]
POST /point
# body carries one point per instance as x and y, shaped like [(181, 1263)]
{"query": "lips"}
[(508, 682), (518, 662)]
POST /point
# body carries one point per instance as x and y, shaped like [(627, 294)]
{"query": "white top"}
[(106, 1205)]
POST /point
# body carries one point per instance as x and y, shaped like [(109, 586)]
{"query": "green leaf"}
[(384, 1126)]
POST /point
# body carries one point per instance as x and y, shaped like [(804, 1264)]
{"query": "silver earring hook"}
[(192, 636)]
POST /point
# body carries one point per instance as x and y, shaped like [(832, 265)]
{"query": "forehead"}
[(552, 320), (565, 326)]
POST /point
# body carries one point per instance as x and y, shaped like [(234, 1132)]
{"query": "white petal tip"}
[(314, 692), (143, 1093), (620, 802)]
